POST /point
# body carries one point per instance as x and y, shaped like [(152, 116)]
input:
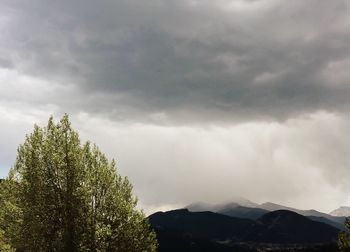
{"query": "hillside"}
[(203, 225), (283, 226), (182, 230), (243, 212)]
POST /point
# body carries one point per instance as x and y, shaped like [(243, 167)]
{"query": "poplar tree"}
[(67, 196)]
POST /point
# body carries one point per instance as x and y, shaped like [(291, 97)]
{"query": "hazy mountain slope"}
[(273, 207), (253, 211), (338, 225), (243, 212), (284, 226), (203, 206)]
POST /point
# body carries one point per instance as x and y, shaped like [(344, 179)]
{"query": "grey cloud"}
[(221, 97), (5, 63), (187, 61)]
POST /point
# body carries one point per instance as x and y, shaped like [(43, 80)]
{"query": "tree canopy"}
[(62, 195), (344, 238)]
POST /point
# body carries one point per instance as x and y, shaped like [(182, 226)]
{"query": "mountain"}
[(336, 221), (274, 207), (182, 230), (268, 206), (245, 203), (243, 212), (341, 211), (339, 225), (243, 208), (202, 206), (204, 225), (284, 226)]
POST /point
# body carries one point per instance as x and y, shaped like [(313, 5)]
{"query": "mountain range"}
[(246, 226), (243, 208)]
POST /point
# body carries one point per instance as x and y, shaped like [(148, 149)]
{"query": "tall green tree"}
[(10, 215), (67, 196), (344, 238), (4, 244)]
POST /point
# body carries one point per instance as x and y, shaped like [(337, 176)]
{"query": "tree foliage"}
[(344, 238), (62, 195)]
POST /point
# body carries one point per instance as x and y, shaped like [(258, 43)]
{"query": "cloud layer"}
[(185, 61), (201, 97)]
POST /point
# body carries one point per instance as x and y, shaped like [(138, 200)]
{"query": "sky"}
[(197, 100)]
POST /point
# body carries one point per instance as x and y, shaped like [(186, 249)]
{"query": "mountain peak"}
[(203, 206), (341, 211)]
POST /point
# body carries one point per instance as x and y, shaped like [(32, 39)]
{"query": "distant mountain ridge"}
[(273, 207), (203, 206), (243, 208)]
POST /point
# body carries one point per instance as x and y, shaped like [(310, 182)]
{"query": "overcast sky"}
[(198, 100)]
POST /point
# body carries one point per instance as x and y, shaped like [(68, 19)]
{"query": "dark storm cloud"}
[(185, 60), (151, 82)]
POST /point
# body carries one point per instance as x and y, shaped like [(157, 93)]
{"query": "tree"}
[(344, 238), (4, 245), (67, 196), (9, 215)]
